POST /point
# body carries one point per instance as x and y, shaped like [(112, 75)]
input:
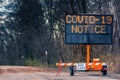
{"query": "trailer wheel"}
[(71, 70), (104, 71)]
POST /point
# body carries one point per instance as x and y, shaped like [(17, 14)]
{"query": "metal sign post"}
[(88, 56), (46, 53)]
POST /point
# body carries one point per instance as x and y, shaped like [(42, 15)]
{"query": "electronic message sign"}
[(88, 29)]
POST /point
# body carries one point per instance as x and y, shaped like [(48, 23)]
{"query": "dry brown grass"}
[(113, 62)]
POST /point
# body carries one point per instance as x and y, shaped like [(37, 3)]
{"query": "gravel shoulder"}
[(31, 73)]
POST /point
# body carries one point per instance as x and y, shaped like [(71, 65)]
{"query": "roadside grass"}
[(113, 62)]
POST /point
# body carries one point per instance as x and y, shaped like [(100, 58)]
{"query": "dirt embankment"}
[(27, 69)]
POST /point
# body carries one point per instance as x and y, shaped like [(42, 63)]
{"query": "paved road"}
[(51, 76)]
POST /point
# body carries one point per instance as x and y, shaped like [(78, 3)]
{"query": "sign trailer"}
[(88, 29)]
